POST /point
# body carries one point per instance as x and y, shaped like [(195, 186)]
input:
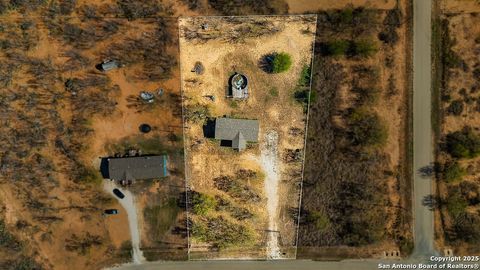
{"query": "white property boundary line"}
[(186, 171), (185, 168), (306, 135)]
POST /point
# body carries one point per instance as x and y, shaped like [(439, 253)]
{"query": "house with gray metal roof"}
[(238, 131), (137, 168)]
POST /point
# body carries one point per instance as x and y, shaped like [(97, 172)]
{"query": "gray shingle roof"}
[(109, 65), (239, 131), (239, 142), (137, 168)]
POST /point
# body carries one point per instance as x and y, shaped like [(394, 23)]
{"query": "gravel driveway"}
[(128, 203)]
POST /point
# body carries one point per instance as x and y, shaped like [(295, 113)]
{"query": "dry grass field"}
[(357, 184), (237, 44), (458, 136), (60, 115)]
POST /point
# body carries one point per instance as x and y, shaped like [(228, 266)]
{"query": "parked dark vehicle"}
[(118, 193), (110, 212)]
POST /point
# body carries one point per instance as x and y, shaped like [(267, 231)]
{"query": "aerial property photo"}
[(239, 134), (245, 84)]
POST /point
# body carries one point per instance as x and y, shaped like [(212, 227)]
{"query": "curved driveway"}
[(128, 203)]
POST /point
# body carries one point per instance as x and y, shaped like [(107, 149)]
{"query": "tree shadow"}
[(266, 62), (430, 201), (427, 171)]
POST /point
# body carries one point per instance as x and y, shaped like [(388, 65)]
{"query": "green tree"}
[(456, 204), (453, 172), (337, 47), (202, 203), (456, 107), (367, 129), (305, 76), (320, 219), (281, 62), (363, 48), (463, 144)]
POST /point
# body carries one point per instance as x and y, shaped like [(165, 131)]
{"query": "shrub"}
[(222, 233), (281, 62), (463, 144), (392, 21), (388, 36), (7, 240), (448, 57), (453, 172), (305, 76), (320, 220), (456, 107), (335, 48), (233, 104), (345, 16), (367, 129), (139, 9), (202, 203), (273, 92), (363, 48), (456, 204), (368, 96), (466, 228), (236, 189), (242, 7), (24, 263), (304, 96), (197, 113), (192, 4)]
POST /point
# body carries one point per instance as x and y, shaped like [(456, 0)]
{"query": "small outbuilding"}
[(238, 86), (198, 68), (137, 168), (238, 131), (109, 65)]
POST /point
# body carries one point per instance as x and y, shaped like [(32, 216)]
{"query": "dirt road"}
[(128, 203), (269, 156), (422, 126)]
